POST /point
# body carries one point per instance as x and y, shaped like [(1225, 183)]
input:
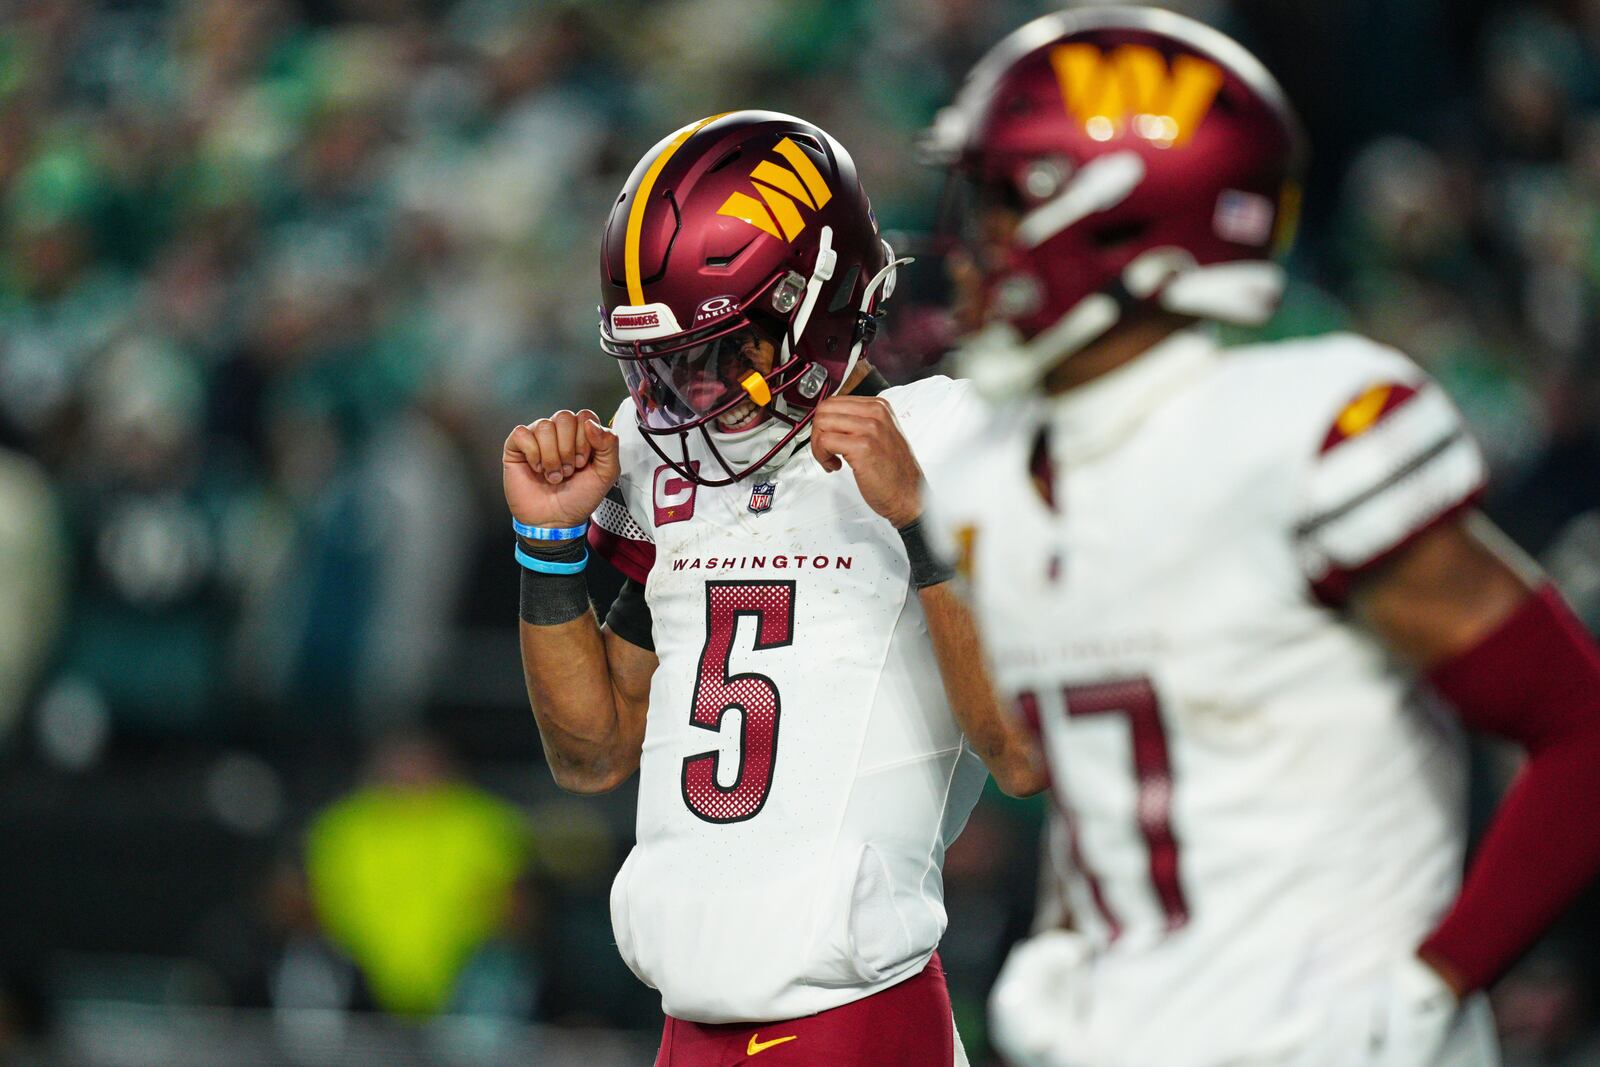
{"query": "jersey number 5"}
[(716, 693)]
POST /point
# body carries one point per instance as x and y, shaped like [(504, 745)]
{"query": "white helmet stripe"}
[(1099, 185)]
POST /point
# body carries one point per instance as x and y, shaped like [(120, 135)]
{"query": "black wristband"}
[(926, 566), (552, 599)]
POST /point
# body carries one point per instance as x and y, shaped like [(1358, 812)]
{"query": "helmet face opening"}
[(707, 381), (701, 396), (975, 212)]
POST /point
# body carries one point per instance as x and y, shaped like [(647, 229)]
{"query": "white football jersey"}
[(1262, 813), (802, 772)]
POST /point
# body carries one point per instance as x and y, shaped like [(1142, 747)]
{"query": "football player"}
[(772, 665), (1228, 585)]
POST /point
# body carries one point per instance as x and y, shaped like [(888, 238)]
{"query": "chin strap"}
[(886, 277), (821, 273), (1002, 365)]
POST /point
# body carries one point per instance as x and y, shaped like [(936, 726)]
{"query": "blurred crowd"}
[(277, 276)]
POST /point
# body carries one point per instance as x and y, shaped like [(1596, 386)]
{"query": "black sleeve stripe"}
[(629, 617), (1406, 470)]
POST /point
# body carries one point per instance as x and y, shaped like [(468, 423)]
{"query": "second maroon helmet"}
[(1147, 160), (748, 224)]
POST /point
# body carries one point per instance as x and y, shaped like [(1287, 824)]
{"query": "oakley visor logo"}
[(779, 188), (1132, 86)]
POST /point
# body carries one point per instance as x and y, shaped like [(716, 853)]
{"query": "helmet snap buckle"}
[(811, 382), (787, 293), (1044, 178)]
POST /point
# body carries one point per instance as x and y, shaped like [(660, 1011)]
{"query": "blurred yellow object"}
[(410, 882)]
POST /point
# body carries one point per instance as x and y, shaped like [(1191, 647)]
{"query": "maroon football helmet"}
[(745, 227), (1147, 159)]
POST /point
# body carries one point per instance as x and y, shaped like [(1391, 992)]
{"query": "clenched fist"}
[(861, 431), (557, 470)]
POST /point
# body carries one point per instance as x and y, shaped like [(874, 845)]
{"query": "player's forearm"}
[(575, 704), (1000, 739)]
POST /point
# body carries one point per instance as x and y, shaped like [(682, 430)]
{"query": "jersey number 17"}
[(1135, 700)]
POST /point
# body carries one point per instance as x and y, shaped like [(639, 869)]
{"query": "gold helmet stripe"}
[(783, 180), (641, 197), (748, 209), (783, 210), (820, 193)]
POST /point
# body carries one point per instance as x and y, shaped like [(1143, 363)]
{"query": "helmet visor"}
[(692, 384)]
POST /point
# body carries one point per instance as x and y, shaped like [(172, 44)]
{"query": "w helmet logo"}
[(1108, 90), (779, 187)]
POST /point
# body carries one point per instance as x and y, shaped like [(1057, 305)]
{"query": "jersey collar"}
[(1099, 416)]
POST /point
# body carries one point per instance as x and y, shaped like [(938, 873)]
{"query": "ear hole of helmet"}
[(844, 293)]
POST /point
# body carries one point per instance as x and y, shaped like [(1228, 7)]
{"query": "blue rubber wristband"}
[(550, 533), (544, 566)]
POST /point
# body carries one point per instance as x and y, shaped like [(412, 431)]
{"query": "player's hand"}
[(861, 431), (557, 470), (1040, 1000)]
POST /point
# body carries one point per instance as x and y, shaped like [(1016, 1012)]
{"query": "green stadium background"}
[(276, 278)]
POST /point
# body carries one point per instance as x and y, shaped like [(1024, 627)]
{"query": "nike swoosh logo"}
[(762, 1046)]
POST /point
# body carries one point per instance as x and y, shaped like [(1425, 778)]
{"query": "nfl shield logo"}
[(761, 496)]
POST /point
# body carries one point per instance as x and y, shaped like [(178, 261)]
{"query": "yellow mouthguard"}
[(756, 386)]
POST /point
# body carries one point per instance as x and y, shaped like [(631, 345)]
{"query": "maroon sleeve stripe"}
[(1535, 680)]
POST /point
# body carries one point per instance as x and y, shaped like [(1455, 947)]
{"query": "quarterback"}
[(773, 664), (1244, 593)]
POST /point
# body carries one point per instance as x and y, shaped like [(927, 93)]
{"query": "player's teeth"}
[(738, 414)]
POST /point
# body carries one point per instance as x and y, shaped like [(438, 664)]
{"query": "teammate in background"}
[(772, 665), (1216, 579)]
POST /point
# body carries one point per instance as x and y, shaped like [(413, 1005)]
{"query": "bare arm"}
[(1000, 738), (861, 431), (1440, 597), (1446, 592), (588, 688)]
